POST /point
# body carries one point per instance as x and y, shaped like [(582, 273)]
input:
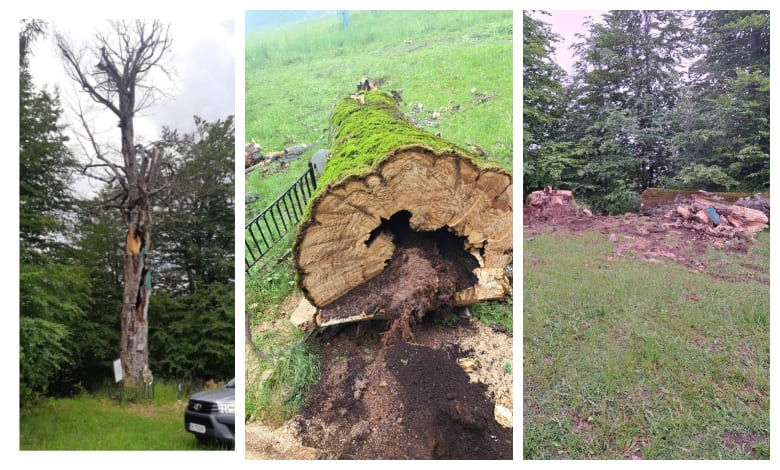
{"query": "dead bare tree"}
[(121, 81)]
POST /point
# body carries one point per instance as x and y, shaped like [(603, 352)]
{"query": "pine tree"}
[(625, 87), (724, 143), (546, 153)]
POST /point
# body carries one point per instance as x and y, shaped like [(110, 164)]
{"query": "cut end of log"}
[(336, 251), (387, 183)]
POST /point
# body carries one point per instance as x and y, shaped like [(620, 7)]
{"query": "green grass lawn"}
[(624, 359), (97, 422), (457, 64)]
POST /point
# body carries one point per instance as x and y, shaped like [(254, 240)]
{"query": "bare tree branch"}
[(116, 173), (107, 180), (160, 188), (75, 72)]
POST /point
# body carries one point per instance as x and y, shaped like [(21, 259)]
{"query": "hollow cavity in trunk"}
[(423, 275)]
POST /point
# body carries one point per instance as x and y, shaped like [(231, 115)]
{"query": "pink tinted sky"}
[(566, 23)]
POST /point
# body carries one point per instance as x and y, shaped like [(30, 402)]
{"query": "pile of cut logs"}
[(718, 219)]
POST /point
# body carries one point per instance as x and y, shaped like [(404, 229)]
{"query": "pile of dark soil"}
[(407, 402), (454, 416), (423, 275)]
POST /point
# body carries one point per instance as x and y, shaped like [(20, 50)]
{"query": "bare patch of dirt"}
[(407, 400), (744, 441), (652, 239), (265, 443)]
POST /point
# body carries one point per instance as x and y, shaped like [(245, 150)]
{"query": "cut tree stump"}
[(551, 197), (385, 173)]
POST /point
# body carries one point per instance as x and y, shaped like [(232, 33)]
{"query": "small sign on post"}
[(118, 370)]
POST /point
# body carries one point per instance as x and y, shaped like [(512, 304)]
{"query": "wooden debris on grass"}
[(468, 364), (502, 412), (734, 220), (658, 201), (303, 315), (252, 154), (254, 159), (366, 84)]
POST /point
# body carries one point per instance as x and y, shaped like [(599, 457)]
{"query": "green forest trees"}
[(624, 88), (656, 98), (196, 251), (545, 151), (72, 255), (727, 122), (53, 291)]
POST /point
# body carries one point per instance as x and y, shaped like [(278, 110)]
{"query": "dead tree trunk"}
[(384, 167), (135, 301), (125, 59), (134, 350)]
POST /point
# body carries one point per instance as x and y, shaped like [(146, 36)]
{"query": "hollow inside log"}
[(339, 245)]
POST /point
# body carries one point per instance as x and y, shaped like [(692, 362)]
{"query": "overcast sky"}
[(202, 57), (567, 23)]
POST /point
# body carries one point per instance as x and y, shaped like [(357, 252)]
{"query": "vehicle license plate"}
[(199, 428)]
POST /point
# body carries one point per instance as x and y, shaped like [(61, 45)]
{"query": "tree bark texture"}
[(134, 340), (137, 290), (382, 164)]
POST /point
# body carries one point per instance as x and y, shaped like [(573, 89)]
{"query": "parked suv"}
[(212, 414)]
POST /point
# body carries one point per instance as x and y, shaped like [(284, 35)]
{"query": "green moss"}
[(367, 134)]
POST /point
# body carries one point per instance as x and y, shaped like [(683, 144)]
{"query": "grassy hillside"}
[(457, 64), (296, 75), (625, 359)]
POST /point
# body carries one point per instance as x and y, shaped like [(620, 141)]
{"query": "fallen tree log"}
[(388, 183), (749, 220)]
